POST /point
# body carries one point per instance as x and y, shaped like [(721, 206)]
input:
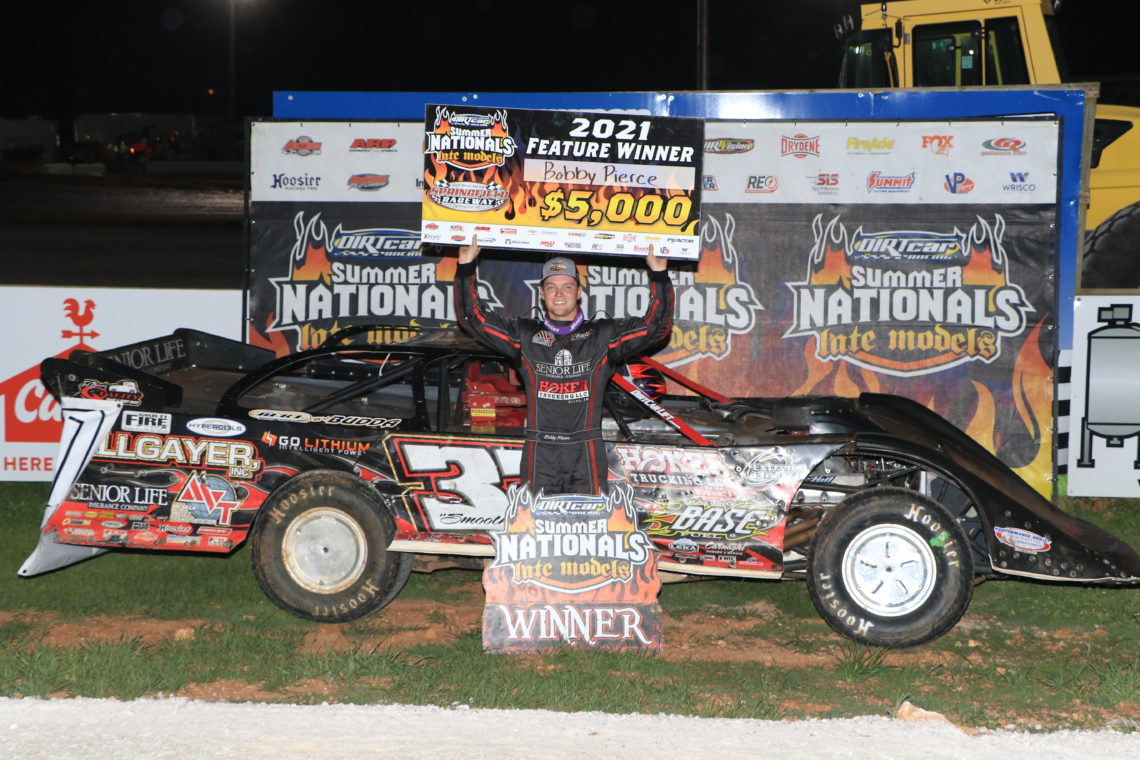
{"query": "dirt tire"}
[(320, 549), (400, 577), (891, 568), (1112, 252)]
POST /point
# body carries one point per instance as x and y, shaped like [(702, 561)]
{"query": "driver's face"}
[(560, 296)]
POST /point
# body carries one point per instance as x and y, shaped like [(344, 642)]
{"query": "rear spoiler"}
[(189, 348)]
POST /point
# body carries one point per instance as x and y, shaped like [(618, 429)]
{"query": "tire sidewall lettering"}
[(937, 537), (356, 502)]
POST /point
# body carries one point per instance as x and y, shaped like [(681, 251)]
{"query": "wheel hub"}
[(324, 550), (889, 570)]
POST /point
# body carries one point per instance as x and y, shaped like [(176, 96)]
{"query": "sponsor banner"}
[(239, 458), (1104, 410), (716, 507), (909, 302), (571, 570), (1007, 162), (358, 161), (168, 494), (57, 321), (321, 267), (547, 174), (891, 298), (1023, 540)]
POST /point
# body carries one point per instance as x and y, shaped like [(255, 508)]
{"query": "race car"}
[(343, 463)]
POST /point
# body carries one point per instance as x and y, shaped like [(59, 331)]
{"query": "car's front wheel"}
[(320, 549), (890, 567)]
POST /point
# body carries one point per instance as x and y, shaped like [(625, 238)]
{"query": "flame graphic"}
[(445, 268), (828, 261), (870, 379), (981, 425), (272, 339), (719, 261), (987, 260), (309, 256), (316, 266), (1033, 400), (844, 385), (818, 372), (835, 378), (717, 266)]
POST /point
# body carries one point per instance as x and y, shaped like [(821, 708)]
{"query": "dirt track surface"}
[(94, 729)]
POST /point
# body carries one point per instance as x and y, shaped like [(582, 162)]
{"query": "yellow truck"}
[(966, 43)]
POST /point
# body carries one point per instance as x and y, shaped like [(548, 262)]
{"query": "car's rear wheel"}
[(890, 567), (320, 549)]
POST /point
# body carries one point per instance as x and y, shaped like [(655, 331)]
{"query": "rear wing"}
[(187, 348), (129, 374)]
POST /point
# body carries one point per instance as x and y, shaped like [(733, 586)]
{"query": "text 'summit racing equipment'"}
[(342, 462), (564, 376)]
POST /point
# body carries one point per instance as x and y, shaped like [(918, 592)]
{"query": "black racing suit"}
[(565, 378)]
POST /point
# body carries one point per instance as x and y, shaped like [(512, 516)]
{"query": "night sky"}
[(67, 58)]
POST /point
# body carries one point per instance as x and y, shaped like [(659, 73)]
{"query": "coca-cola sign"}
[(58, 321), (30, 414)]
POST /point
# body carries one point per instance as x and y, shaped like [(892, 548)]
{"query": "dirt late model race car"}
[(345, 463)]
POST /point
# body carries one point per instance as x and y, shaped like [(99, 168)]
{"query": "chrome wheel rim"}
[(889, 570)]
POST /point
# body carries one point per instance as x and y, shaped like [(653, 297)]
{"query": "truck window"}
[(1005, 57), (868, 60), (946, 55)]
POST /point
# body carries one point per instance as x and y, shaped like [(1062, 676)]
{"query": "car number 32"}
[(475, 473)]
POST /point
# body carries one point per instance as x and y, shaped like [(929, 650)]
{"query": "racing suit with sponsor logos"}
[(565, 378)]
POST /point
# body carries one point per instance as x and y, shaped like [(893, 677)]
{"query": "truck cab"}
[(968, 43)]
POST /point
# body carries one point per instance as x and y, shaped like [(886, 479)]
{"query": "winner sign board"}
[(570, 181)]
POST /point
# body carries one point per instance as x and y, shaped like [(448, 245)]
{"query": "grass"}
[(1026, 654), (858, 662)]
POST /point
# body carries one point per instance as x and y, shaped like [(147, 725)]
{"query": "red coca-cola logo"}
[(30, 413)]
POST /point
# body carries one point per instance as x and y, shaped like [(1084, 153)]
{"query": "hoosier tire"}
[(320, 549), (890, 567), (1112, 252)]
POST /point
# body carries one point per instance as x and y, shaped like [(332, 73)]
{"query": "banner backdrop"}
[(906, 257)]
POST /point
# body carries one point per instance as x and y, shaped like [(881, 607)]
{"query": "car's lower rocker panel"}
[(488, 550)]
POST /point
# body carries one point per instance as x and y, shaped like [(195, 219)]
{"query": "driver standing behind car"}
[(565, 363)]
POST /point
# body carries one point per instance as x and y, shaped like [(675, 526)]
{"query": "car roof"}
[(431, 340), (443, 339)]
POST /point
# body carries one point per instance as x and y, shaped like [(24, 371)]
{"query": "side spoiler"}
[(86, 423)]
